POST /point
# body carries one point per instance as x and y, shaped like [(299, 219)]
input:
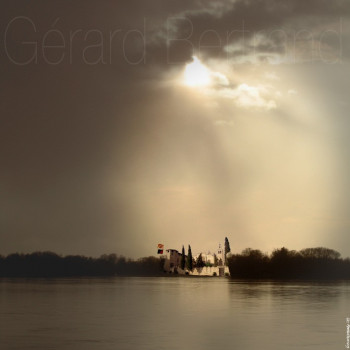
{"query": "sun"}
[(196, 74)]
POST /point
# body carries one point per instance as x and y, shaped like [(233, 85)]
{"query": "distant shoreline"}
[(308, 264), (311, 264)]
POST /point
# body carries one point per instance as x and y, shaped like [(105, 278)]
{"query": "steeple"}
[(220, 255)]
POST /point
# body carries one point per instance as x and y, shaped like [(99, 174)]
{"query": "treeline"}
[(310, 263), (48, 264)]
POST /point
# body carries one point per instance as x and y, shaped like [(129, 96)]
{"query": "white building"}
[(173, 257), (209, 258)]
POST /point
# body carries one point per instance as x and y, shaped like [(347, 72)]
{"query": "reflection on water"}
[(301, 291), (172, 313), (292, 315)]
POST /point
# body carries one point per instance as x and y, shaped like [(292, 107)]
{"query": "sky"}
[(125, 124)]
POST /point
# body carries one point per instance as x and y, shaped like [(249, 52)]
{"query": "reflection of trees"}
[(307, 292), (48, 264), (310, 263)]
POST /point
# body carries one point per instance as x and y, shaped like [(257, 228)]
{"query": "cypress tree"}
[(183, 261), (216, 260), (200, 262), (189, 262), (227, 248)]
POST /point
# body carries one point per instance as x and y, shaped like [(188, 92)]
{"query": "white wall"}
[(208, 271)]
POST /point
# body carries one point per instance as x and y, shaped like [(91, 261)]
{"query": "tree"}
[(200, 262), (216, 260), (189, 261), (227, 248), (183, 257), (320, 253), (253, 253)]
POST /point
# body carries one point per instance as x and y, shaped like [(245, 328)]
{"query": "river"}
[(172, 313)]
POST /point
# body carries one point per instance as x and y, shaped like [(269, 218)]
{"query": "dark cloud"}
[(287, 27)]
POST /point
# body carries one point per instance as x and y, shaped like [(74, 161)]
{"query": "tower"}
[(220, 255)]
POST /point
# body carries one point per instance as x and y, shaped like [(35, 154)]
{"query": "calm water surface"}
[(172, 313)]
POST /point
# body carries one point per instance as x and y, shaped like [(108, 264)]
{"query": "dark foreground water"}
[(172, 313)]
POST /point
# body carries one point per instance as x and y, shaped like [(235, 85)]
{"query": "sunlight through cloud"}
[(217, 85), (196, 74)]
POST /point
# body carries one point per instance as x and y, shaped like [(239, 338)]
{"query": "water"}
[(172, 313)]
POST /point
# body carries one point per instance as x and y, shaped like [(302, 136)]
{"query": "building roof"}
[(172, 250)]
